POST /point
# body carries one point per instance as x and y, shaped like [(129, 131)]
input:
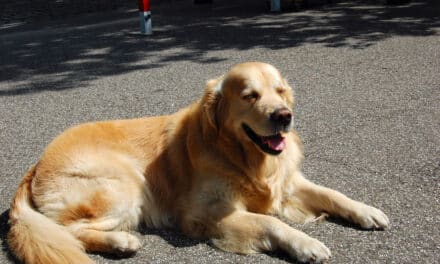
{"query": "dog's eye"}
[(252, 97), (280, 91)]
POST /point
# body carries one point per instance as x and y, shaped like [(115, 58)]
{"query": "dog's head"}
[(253, 102)]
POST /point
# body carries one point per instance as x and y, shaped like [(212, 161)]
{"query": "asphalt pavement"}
[(366, 77)]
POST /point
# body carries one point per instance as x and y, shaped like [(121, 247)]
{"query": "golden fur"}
[(197, 169)]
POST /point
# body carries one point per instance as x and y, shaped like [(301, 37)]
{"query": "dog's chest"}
[(279, 181), (260, 195)]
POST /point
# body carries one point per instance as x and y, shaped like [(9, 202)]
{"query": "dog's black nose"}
[(281, 116)]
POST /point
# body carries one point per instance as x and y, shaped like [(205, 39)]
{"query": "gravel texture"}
[(367, 82)]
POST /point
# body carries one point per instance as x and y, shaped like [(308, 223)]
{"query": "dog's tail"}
[(34, 238)]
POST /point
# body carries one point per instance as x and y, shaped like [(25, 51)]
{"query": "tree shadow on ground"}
[(68, 57)]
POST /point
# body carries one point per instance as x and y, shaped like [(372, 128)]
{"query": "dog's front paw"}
[(125, 243), (369, 217), (310, 250)]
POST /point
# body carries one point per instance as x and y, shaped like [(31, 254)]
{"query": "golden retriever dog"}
[(222, 169)]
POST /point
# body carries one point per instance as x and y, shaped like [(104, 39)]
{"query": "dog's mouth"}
[(273, 144)]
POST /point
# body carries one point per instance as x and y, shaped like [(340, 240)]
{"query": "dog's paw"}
[(369, 217), (310, 250), (124, 243)]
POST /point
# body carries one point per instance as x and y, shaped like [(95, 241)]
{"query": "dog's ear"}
[(212, 102)]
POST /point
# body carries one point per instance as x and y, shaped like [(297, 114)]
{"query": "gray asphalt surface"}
[(367, 82)]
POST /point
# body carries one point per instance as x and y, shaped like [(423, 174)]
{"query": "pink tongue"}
[(277, 143)]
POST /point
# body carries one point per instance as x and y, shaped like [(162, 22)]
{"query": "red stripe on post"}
[(144, 5)]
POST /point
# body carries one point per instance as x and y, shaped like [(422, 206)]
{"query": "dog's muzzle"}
[(281, 119)]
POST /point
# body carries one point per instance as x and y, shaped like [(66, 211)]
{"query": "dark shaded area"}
[(345, 223), (4, 229), (28, 11), (186, 32), (282, 255), (172, 236)]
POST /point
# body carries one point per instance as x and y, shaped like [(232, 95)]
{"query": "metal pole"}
[(275, 5), (145, 17)]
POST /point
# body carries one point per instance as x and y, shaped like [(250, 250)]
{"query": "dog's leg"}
[(320, 200), (101, 235), (108, 241), (95, 199), (244, 232), (106, 233)]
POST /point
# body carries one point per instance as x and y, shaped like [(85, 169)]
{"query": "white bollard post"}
[(145, 17)]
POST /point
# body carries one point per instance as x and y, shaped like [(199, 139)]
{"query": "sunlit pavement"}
[(367, 83)]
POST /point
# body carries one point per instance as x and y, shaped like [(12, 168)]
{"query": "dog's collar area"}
[(273, 144)]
